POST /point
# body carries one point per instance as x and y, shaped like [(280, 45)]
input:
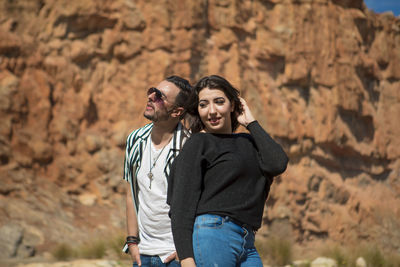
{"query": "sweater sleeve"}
[(273, 160), (186, 177)]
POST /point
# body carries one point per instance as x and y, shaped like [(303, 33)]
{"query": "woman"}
[(220, 181)]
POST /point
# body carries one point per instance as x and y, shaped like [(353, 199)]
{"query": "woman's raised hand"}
[(246, 117)]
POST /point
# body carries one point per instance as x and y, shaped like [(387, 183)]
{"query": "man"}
[(150, 151)]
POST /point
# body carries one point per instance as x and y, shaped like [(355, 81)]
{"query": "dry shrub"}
[(93, 249), (372, 254), (63, 252), (275, 251), (342, 257)]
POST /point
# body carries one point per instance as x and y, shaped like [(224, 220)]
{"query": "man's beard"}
[(156, 117), (152, 118)]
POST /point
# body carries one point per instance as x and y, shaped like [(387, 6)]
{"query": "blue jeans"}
[(155, 261), (217, 241)]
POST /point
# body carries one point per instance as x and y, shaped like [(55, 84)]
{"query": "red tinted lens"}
[(158, 94)]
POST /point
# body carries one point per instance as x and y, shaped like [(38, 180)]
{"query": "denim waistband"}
[(241, 224)]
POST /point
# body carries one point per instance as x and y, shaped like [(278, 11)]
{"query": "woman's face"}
[(215, 111)]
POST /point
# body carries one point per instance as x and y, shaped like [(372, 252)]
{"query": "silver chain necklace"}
[(150, 174)]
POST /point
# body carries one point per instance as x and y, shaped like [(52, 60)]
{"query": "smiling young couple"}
[(215, 188)]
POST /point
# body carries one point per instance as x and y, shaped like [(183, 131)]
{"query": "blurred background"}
[(321, 76)]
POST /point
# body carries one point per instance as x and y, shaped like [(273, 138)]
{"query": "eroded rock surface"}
[(323, 77)]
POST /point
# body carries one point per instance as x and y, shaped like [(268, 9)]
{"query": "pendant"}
[(150, 175)]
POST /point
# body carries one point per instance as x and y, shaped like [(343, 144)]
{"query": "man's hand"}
[(135, 255), (171, 257)]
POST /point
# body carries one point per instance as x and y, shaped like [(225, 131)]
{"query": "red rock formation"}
[(322, 77)]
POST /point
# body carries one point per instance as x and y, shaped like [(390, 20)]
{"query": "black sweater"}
[(223, 174)]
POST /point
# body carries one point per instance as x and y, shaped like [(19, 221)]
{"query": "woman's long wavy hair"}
[(213, 82)]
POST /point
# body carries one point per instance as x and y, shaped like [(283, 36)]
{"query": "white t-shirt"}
[(153, 220)]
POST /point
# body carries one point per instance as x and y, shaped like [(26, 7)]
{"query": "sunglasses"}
[(158, 98)]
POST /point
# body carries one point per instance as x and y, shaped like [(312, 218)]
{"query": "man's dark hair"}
[(184, 92)]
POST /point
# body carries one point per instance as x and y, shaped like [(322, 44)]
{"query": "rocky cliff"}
[(322, 76)]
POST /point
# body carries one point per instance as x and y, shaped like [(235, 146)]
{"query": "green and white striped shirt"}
[(135, 145)]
